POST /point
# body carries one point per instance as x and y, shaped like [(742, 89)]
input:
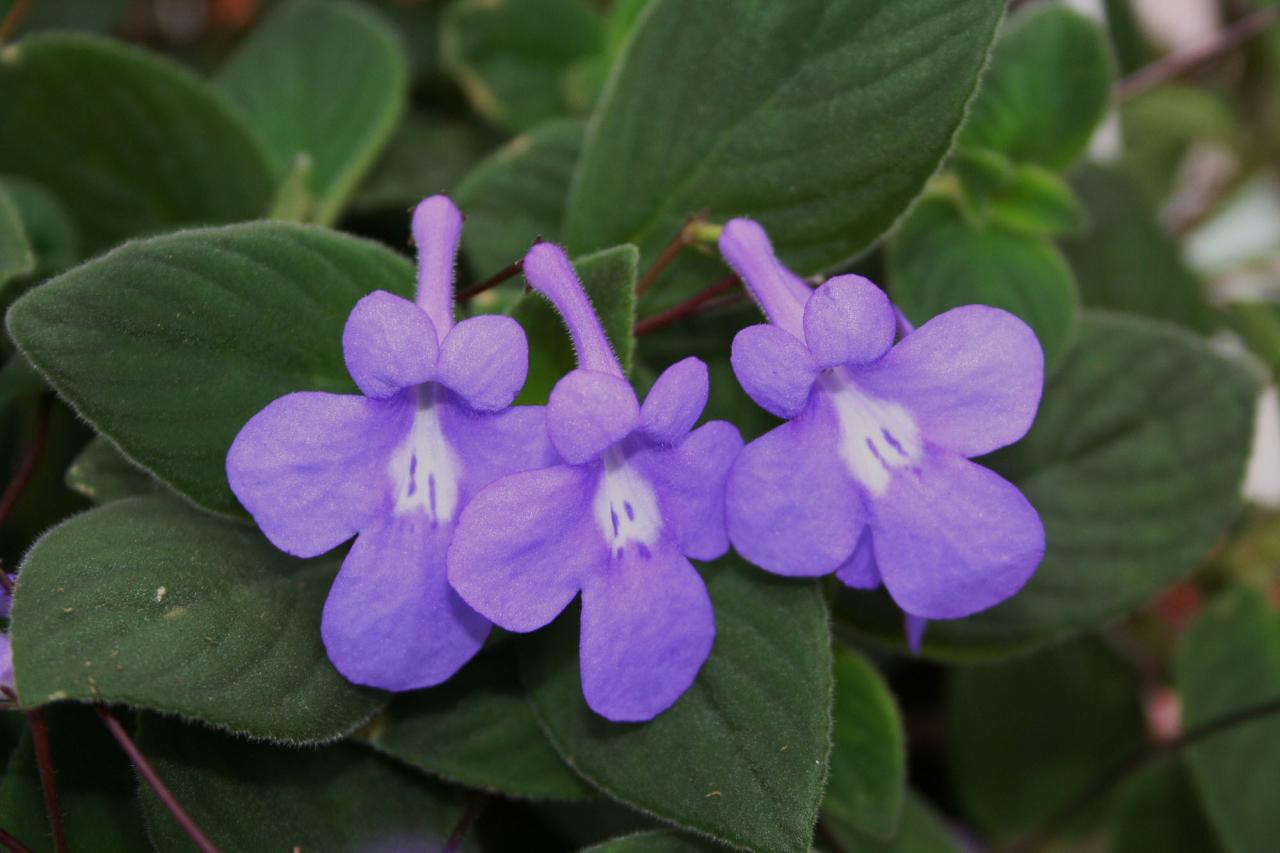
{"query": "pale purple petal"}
[(525, 543), (6, 600), (953, 538), (391, 620), (690, 481), (791, 507), (389, 344), (647, 628), (747, 250), (848, 320), (970, 377), (485, 360), (589, 411), (6, 661), (312, 468), (860, 571), (774, 368), (914, 627), (493, 446), (675, 402), (549, 272), (437, 229)]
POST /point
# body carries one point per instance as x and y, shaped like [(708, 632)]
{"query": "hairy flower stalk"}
[(870, 477), (638, 494)]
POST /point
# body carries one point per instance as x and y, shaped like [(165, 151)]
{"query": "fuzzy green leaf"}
[(16, 256), (102, 474)]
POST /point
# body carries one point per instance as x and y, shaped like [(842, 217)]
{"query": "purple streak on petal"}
[(914, 627), (6, 661), (675, 402), (312, 468), (437, 228), (525, 543), (791, 506), (746, 248), (848, 320), (971, 378), (774, 368), (485, 360), (389, 344), (391, 620), (493, 446), (953, 538), (647, 628), (588, 412), (690, 481), (548, 271), (860, 570)]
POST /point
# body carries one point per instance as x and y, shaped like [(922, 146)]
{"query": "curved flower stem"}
[(1178, 64), (44, 761), (11, 20), (13, 491), (13, 844), (682, 238), (509, 271), (157, 784), (689, 306), (464, 824), (1135, 761)]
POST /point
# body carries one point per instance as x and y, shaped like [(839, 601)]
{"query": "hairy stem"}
[(48, 786)]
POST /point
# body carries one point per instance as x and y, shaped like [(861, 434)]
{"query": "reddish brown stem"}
[(6, 581), (13, 491), (684, 309), (669, 253), (11, 20), (12, 844), (49, 787), (464, 824), (162, 792), (507, 272), (1178, 64)]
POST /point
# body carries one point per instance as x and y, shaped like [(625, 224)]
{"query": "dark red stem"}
[(44, 761), (669, 253), (13, 844), (13, 491), (464, 824), (684, 309)]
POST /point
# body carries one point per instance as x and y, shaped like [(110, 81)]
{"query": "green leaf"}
[(587, 78), (1161, 126), (18, 379), (1024, 737), (50, 231), (921, 830), (253, 796), (939, 261), (742, 756), (428, 154), (95, 787), (1124, 259), (1259, 324), (1135, 464), (654, 841), (102, 474), (1230, 662), (1037, 202), (129, 142), (1159, 813), (16, 257), (609, 278), (168, 346), (149, 603), (1047, 55), (518, 193), (511, 57), (326, 79), (477, 729), (820, 118), (868, 757)]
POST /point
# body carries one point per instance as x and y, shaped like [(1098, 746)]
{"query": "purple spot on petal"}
[(644, 550), (875, 451), (431, 493), (613, 515), (631, 513), (619, 555)]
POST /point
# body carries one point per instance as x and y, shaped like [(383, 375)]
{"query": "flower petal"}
[(589, 411), (774, 368), (953, 538), (848, 320), (485, 360), (647, 628), (747, 250), (493, 446), (525, 543), (970, 377), (391, 620), (311, 468), (6, 661), (690, 481), (676, 400), (548, 271), (389, 344), (791, 507), (860, 571)]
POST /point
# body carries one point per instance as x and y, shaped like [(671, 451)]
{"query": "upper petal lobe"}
[(676, 400), (312, 468), (588, 412), (389, 344), (848, 320), (774, 368), (485, 361)]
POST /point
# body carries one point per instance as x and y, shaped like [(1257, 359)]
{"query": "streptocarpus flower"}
[(638, 494), (870, 477), (396, 466)]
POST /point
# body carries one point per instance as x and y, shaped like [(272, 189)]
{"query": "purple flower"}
[(870, 477), (638, 494), (6, 662), (396, 466)]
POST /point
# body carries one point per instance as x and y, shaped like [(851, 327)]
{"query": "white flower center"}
[(626, 506), (424, 468), (876, 436)]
